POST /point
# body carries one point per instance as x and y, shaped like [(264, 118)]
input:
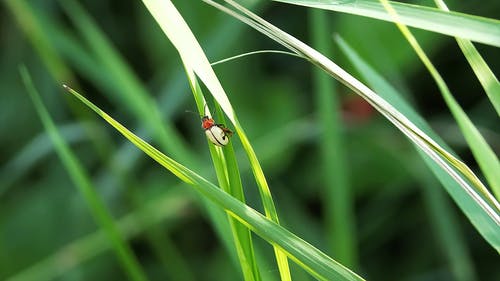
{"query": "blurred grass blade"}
[(192, 55), (130, 92), (311, 259), (337, 199), (126, 89), (228, 176), (34, 32), (484, 155), (454, 246), (84, 184), (35, 27), (474, 28), (462, 174), (167, 207)]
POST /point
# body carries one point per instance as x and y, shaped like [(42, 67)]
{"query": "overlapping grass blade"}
[(84, 184), (474, 28), (490, 85), (337, 199), (34, 28), (130, 91), (179, 33), (455, 248), (311, 259), (455, 168), (228, 176), (166, 208), (484, 155)]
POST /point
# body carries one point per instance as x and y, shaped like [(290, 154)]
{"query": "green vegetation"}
[(314, 183)]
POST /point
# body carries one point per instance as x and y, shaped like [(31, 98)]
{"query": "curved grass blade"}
[(307, 256), (168, 207), (462, 174), (192, 55), (455, 248), (484, 155), (84, 184), (228, 176), (491, 86), (131, 92), (474, 28)]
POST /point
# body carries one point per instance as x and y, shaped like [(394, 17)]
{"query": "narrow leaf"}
[(474, 28), (311, 259), (192, 55), (84, 184)]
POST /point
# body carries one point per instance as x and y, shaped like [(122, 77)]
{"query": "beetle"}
[(218, 134)]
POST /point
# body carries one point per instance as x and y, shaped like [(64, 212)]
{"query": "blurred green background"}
[(403, 219)]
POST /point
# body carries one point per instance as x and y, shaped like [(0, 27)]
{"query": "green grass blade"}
[(124, 86), (166, 208), (338, 201), (483, 223), (179, 33), (474, 28), (455, 168), (35, 33), (484, 155), (483, 72), (34, 25), (447, 229), (84, 184), (228, 176), (130, 92), (311, 259)]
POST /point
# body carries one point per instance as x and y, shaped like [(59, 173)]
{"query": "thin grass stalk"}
[(130, 91), (179, 33), (453, 244), (228, 176), (77, 173), (337, 199), (488, 81), (484, 155), (471, 27), (310, 258), (165, 208), (447, 230), (449, 163), (56, 66)]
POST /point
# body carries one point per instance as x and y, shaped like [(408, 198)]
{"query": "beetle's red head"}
[(207, 122)]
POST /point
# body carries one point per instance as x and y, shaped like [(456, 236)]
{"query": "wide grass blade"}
[(484, 155), (453, 244), (85, 186), (192, 55), (474, 28), (311, 259), (476, 192)]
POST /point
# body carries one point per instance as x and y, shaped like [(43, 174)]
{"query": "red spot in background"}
[(355, 110)]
